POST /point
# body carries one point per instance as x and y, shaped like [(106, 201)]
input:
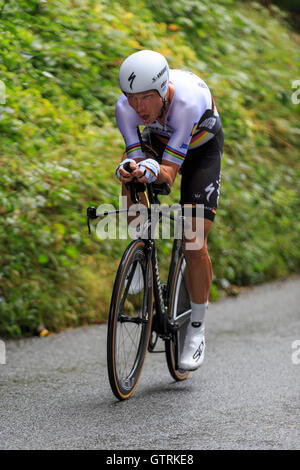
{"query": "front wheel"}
[(179, 316), (130, 318)]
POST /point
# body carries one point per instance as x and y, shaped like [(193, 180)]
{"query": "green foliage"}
[(290, 5), (59, 145), (252, 60)]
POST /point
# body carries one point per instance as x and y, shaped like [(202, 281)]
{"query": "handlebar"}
[(135, 187), (153, 189)]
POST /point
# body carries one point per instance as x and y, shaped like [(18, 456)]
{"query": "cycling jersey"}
[(200, 172), (191, 121)]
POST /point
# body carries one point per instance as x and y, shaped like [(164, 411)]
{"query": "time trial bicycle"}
[(142, 309)]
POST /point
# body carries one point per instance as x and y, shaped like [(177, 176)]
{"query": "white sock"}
[(198, 314)]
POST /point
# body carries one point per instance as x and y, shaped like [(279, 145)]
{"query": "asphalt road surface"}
[(55, 392)]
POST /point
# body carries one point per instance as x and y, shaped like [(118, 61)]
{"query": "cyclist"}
[(183, 128)]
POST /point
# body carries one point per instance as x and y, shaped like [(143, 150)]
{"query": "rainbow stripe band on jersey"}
[(197, 210), (175, 153), (199, 139), (133, 148)]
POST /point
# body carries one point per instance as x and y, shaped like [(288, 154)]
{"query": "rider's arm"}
[(127, 122), (168, 172)]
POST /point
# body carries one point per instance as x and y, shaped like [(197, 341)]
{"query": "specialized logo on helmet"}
[(159, 74), (131, 78)]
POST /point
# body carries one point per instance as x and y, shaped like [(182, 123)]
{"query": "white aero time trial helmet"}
[(143, 71)]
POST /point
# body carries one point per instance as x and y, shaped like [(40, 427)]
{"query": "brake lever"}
[(91, 214)]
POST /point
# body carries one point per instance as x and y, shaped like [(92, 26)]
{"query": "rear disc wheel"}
[(179, 314)]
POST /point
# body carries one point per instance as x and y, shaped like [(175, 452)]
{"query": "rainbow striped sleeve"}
[(174, 155), (134, 150)]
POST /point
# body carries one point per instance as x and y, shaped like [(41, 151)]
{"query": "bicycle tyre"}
[(129, 323), (179, 312)]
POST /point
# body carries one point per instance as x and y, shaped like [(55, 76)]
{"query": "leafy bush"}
[(59, 63)]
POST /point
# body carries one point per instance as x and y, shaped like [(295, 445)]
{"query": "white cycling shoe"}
[(192, 355), (137, 282)]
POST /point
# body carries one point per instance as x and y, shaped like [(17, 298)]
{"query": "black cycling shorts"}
[(200, 171)]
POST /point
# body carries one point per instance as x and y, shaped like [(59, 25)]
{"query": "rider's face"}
[(146, 104)]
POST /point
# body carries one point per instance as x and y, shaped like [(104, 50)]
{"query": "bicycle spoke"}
[(128, 350), (129, 279), (129, 334), (129, 320)]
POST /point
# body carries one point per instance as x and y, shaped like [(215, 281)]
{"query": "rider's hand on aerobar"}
[(125, 169), (145, 171)]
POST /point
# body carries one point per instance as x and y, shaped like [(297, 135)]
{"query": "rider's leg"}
[(198, 274), (198, 277)]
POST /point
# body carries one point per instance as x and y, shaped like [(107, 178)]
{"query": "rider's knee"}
[(195, 249)]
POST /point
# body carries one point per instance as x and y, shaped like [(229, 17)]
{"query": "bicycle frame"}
[(163, 325)]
